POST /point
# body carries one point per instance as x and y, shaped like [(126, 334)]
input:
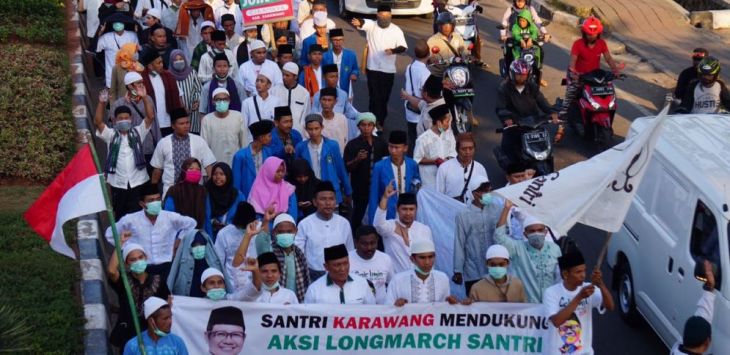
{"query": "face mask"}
[(178, 65), (216, 294), (123, 126), (536, 240), (193, 176), (221, 78), (198, 252), (221, 106), (270, 288), (486, 199), (497, 272), (442, 130), (159, 333), (153, 208), (138, 266), (285, 240), (383, 23), (420, 271), (118, 27)]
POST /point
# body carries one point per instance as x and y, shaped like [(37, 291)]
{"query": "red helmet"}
[(518, 67), (592, 26)]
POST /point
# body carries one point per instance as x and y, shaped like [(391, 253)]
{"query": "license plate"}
[(535, 137), (601, 90), (463, 92)]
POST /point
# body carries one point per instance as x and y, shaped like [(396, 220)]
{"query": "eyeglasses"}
[(221, 335)]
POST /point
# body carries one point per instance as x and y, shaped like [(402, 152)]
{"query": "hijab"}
[(179, 75), (306, 191), (199, 266), (266, 191), (189, 198), (125, 58), (223, 197)]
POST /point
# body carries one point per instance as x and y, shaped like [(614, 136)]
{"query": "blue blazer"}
[(169, 205), (277, 145), (304, 55), (348, 66), (331, 163), (244, 169), (382, 176)]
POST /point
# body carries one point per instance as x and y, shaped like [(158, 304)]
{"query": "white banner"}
[(596, 192), (423, 329)]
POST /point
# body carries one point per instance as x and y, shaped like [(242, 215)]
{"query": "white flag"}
[(596, 192)]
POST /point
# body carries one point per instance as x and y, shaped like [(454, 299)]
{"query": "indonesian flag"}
[(75, 192)]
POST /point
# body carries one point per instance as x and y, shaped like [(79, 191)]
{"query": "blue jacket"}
[(348, 66), (382, 176), (181, 272), (331, 163), (244, 169), (277, 145), (169, 205), (304, 56)]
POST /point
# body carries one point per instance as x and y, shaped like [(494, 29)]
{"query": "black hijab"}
[(306, 191), (223, 197)]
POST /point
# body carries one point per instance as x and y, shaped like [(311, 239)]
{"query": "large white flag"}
[(596, 192)]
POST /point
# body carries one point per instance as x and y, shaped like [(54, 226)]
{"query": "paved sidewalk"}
[(658, 31)]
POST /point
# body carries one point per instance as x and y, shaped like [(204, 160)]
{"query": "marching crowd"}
[(240, 170)]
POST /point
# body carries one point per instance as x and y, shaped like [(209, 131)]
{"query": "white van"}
[(678, 216)]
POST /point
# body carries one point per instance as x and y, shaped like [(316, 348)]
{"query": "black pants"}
[(379, 87), (125, 201), (358, 212), (468, 285)]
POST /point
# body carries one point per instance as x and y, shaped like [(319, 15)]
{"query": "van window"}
[(705, 240), (671, 205)]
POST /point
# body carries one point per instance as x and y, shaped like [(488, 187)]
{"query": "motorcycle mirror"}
[(502, 27), (435, 50), (471, 46)]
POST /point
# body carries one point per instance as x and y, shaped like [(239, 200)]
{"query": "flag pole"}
[(117, 242), (604, 250)]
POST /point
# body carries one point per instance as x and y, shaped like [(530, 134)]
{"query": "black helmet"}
[(708, 66), (444, 18)]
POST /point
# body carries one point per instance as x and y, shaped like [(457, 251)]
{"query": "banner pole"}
[(604, 250), (117, 244)]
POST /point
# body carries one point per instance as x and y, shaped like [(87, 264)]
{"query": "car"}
[(678, 218), (399, 7)]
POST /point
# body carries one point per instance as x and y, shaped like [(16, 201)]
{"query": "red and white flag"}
[(75, 192)]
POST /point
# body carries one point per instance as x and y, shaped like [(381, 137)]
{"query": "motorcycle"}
[(596, 106), (529, 55), (465, 24), (527, 141), (461, 94)]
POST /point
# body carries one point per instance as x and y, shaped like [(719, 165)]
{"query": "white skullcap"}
[(220, 91), (268, 73), (209, 272), (246, 28), (497, 251), (292, 68), (132, 77), (130, 247), (257, 44), (156, 13), (206, 24), (152, 304), (529, 220), (283, 217), (320, 18), (422, 245)]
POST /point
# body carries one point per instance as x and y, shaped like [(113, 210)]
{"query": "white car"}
[(399, 7), (678, 218)]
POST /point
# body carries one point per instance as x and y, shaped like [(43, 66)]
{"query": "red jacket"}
[(172, 95)]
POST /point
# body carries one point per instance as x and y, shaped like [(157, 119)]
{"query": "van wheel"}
[(626, 300)]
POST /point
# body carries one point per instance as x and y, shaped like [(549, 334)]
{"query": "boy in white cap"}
[(158, 314), (320, 36), (213, 284), (306, 27), (223, 129), (249, 71), (243, 50), (291, 94), (423, 284), (261, 105), (497, 286)]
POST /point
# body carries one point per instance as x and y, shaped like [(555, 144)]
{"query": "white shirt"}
[(146, 5), (314, 234), (226, 244), (407, 285), (110, 43), (232, 9), (315, 150), (248, 71), (451, 177), (380, 39), (399, 175), (554, 299), (355, 291), (298, 101), (194, 37), (416, 75), (336, 128), (92, 16), (425, 121), (378, 270), (158, 239), (280, 296), (430, 145), (162, 116), (169, 18), (266, 109), (394, 244), (127, 175), (162, 157), (225, 136), (206, 70)]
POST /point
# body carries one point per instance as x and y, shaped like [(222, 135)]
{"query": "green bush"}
[(36, 139), (36, 282), (37, 21)]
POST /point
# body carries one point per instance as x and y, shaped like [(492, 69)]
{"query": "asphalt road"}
[(611, 334)]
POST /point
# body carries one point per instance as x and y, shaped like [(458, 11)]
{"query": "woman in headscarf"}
[(188, 198), (194, 254), (125, 61), (303, 179), (270, 190), (223, 197), (188, 85)]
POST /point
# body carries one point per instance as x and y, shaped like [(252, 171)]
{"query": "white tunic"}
[(378, 270), (407, 285), (248, 71), (394, 244), (451, 176), (92, 16), (355, 291), (430, 145), (226, 244), (298, 101), (314, 234), (232, 9), (280, 296), (127, 175), (206, 69), (162, 116), (416, 75), (225, 136), (110, 43), (335, 128), (380, 39), (162, 157)]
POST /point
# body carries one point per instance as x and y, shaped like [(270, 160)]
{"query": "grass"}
[(37, 285)]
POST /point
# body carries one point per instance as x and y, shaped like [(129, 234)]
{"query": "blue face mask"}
[(123, 126), (420, 271), (198, 252), (216, 294), (138, 266), (486, 199), (497, 272), (285, 240), (159, 333), (221, 106), (153, 208), (270, 288), (118, 27)]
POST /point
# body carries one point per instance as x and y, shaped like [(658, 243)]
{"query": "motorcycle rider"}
[(510, 17), (689, 73), (521, 97), (448, 42), (440, 7), (707, 94), (525, 35)]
